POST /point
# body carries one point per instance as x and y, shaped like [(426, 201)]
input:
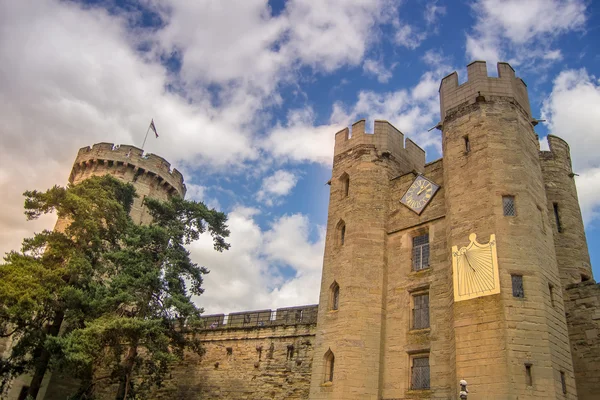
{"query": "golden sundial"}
[(475, 269)]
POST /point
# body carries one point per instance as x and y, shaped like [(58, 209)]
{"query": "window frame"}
[(340, 233), (412, 372), (334, 296), (413, 310), (509, 205), (329, 364), (345, 181), (515, 290), (420, 265)]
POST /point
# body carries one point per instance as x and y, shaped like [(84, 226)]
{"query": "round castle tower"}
[(151, 175), (565, 215)]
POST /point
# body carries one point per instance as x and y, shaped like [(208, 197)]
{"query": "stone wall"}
[(582, 301), (242, 363)]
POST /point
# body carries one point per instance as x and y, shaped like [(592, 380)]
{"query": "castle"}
[(474, 266)]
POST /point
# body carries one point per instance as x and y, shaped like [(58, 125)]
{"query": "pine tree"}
[(119, 293)]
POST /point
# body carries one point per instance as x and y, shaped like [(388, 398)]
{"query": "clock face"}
[(475, 269), (419, 194)]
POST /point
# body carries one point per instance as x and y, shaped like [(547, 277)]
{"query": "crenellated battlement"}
[(559, 152), (386, 139), (112, 155), (507, 84), (301, 315)]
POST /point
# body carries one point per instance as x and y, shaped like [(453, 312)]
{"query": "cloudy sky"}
[(247, 95)]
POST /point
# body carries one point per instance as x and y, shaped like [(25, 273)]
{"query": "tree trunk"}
[(128, 363), (43, 357)]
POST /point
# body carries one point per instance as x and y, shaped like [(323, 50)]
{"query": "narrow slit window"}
[(528, 375), (335, 296), (420, 252), (345, 180), (329, 366), (563, 382), (508, 204), (420, 374), (557, 218), (340, 233), (517, 286), (421, 311), (551, 290), (467, 145)]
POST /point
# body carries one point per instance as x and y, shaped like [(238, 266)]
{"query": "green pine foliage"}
[(119, 292)]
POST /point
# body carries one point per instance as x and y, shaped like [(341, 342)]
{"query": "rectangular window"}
[(420, 373), (557, 218), (467, 145), (508, 204), (517, 286), (421, 311), (528, 375), (551, 290), (421, 252), (563, 382)]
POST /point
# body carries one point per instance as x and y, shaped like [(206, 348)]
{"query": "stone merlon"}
[(385, 138), (478, 82), (108, 153)]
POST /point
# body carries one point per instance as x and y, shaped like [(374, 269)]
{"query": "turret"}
[(564, 213), (150, 174)]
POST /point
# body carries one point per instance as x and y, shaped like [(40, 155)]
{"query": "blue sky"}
[(247, 95)]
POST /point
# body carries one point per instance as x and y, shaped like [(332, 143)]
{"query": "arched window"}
[(341, 233), (345, 184), (334, 298), (329, 366)]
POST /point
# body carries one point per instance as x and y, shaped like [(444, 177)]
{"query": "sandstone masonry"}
[(387, 326)]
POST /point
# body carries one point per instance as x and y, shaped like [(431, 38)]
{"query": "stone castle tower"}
[(151, 175), (474, 266), (403, 312)]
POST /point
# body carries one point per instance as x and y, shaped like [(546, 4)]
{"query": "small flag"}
[(153, 127)]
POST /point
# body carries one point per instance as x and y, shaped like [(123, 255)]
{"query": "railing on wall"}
[(303, 315)]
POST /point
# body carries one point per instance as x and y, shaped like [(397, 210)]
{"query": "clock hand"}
[(421, 191)]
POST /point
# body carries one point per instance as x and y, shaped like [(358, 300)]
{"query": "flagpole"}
[(143, 144)]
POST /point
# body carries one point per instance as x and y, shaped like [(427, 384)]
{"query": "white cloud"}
[(572, 114), (412, 111), (74, 75), (408, 36), (377, 69), (246, 278), (521, 31), (299, 140), (433, 11), (276, 186)]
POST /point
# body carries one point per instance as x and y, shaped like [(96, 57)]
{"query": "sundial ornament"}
[(475, 269), (419, 194)]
